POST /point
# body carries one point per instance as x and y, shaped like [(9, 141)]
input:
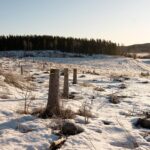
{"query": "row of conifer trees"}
[(73, 45)]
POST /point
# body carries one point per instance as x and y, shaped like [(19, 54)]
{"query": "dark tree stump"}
[(53, 104), (21, 69), (66, 84), (74, 76)]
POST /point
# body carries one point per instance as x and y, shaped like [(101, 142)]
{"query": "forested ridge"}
[(72, 45), (138, 48)]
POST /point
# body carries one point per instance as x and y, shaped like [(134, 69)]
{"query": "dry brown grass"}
[(2, 84), (10, 78), (1, 72), (63, 113), (4, 96), (38, 111), (14, 80), (84, 112), (145, 74), (33, 97), (22, 111), (85, 84), (29, 78), (17, 80), (46, 85), (100, 89), (67, 114)]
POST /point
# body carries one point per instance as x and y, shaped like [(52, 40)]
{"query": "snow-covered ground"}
[(112, 125), (147, 61)]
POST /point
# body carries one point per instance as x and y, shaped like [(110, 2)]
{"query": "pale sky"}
[(122, 21)]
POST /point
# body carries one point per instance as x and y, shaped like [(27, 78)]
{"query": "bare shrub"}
[(93, 72), (145, 74), (99, 89), (85, 84), (85, 111), (26, 94), (67, 113)]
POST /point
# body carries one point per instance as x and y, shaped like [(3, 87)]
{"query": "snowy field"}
[(111, 126)]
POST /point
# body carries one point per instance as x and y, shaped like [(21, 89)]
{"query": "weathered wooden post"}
[(21, 68), (74, 76), (66, 83), (53, 104)]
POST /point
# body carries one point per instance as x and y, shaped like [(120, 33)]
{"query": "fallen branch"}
[(57, 144)]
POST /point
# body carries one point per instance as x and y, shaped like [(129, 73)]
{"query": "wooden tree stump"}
[(53, 104), (21, 69), (74, 76), (66, 83), (1, 65)]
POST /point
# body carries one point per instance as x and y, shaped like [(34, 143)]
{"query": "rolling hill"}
[(138, 48)]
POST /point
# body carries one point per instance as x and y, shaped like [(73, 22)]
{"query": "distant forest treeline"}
[(72, 45)]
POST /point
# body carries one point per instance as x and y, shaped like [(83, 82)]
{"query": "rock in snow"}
[(70, 128)]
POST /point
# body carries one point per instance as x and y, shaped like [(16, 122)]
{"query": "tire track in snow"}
[(141, 65)]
